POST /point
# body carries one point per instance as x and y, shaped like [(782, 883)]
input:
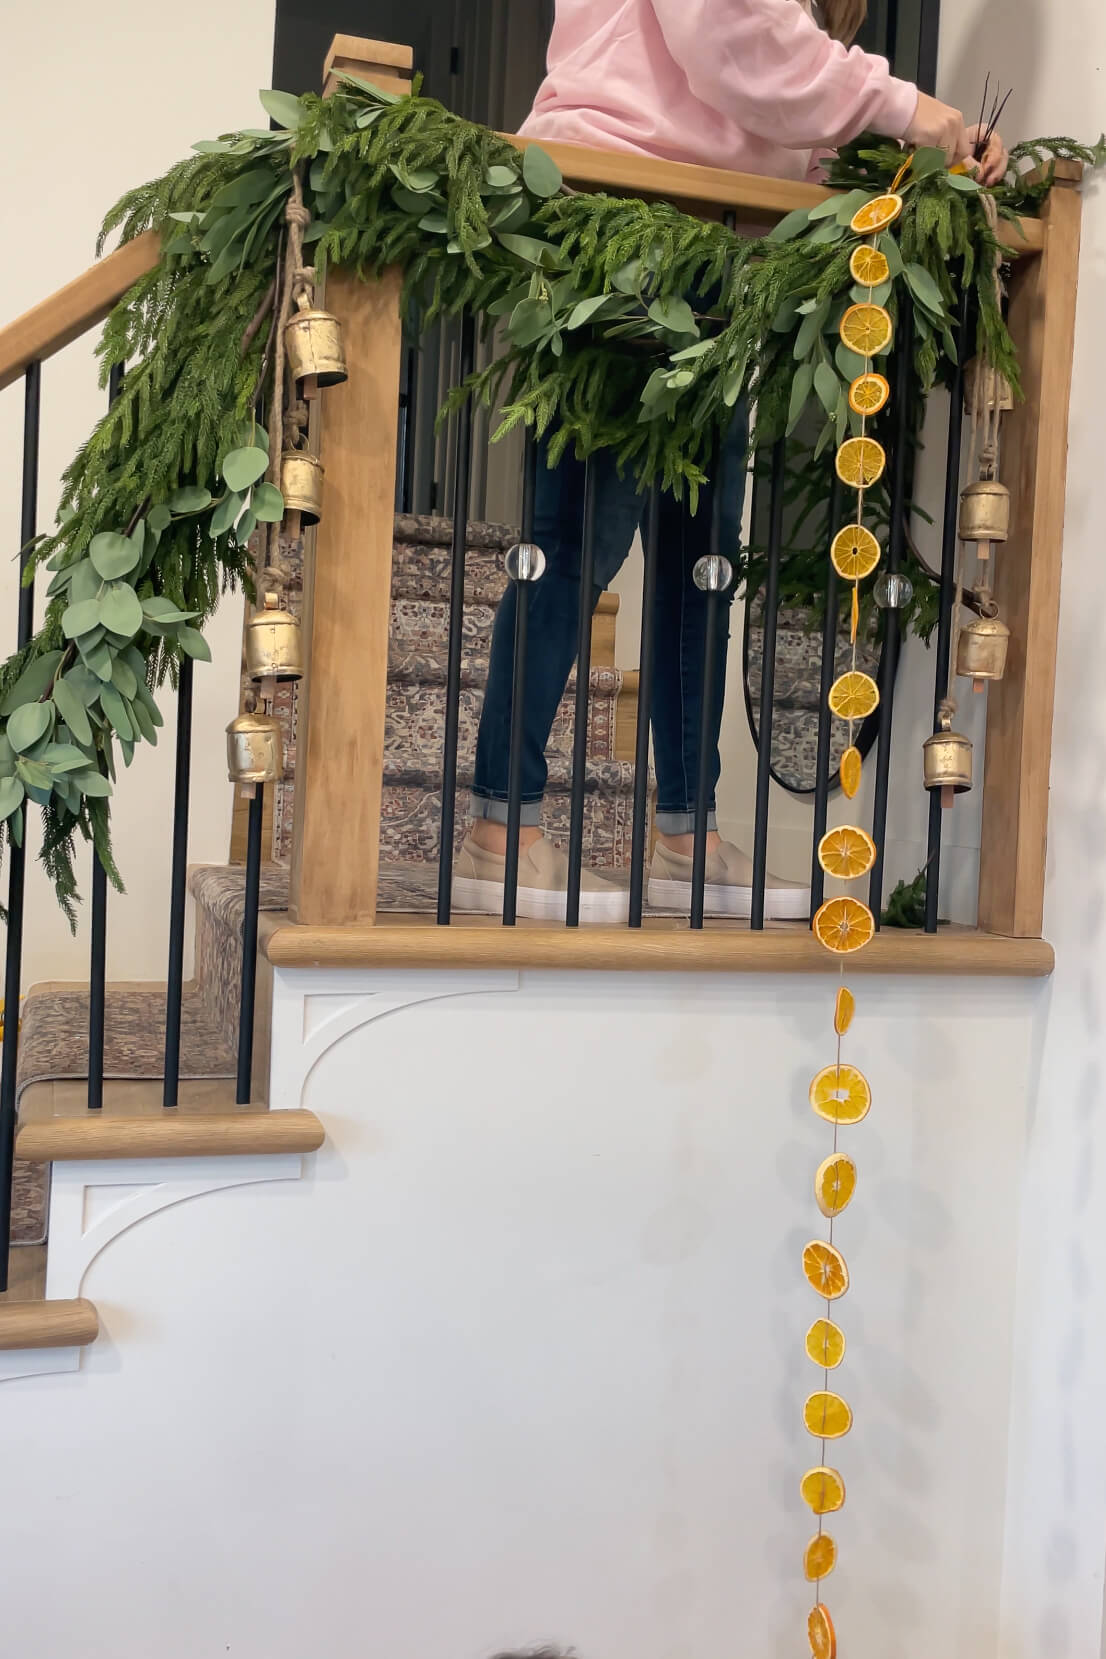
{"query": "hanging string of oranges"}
[(840, 1094)]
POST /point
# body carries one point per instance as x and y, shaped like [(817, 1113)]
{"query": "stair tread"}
[(231, 1132)]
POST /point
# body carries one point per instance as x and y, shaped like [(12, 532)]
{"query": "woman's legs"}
[(679, 685), (553, 631)]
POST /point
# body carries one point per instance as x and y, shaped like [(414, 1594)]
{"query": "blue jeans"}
[(680, 621)]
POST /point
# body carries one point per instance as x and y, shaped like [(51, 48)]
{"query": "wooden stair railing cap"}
[(60, 1324), (198, 1135)]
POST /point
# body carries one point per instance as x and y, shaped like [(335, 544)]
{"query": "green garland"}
[(607, 347)]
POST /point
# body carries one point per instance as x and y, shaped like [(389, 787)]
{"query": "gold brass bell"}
[(981, 650), (255, 749), (301, 484), (947, 762), (985, 513), (274, 644), (313, 342)]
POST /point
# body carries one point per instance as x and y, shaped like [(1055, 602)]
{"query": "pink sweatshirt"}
[(750, 85)]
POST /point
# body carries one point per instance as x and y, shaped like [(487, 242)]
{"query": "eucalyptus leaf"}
[(733, 383), (964, 183), (501, 178), (674, 315), (924, 289), (828, 388), (436, 223), (285, 110), (29, 725), (850, 364), (33, 683), (245, 527), (267, 504), (848, 204), (627, 279), (90, 782), (512, 215), (72, 710), (368, 116), (530, 320), (160, 608), (121, 610), (63, 757), (116, 711), (889, 247), (790, 226), (193, 644), (159, 518), (810, 331), (417, 179), (112, 555), (80, 619), (249, 187), (243, 467), (7, 758), (85, 684), (829, 231), (827, 209), (145, 699), (141, 717), (87, 583), (123, 677), (11, 796), (699, 349), (36, 780), (377, 92), (99, 659), (226, 512), (927, 161), (528, 248), (801, 388), (540, 172), (191, 498)]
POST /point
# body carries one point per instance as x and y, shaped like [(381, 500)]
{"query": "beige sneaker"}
[(478, 879), (729, 890)]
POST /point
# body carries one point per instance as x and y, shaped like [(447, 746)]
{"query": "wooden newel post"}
[(347, 584), (1034, 465)]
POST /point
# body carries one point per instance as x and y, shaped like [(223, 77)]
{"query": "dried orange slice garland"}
[(840, 1095)]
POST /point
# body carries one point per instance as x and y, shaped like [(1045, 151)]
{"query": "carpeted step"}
[(218, 891), (53, 1050), (416, 720)]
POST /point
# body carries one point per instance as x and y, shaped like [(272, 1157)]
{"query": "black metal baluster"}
[(13, 954), (462, 485), (97, 969), (178, 884), (583, 691), (712, 576), (646, 657), (949, 543), (767, 685), (249, 946), (527, 569), (892, 628), (829, 669)]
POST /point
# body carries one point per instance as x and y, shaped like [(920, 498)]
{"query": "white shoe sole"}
[(538, 904), (781, 904)]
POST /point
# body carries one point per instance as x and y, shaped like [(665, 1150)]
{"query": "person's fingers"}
[(995, 161)]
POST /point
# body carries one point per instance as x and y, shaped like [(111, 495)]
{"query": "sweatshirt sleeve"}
[(766, 65)]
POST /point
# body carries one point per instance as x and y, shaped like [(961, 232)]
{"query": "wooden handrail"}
[(194, 1135), (60, 1324), (76, 308)]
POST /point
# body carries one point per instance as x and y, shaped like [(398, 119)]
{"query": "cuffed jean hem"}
[(495, 812), (682, 823)]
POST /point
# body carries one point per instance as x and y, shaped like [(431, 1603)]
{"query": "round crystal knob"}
[(524, 562), (712, 573), (893, 591)]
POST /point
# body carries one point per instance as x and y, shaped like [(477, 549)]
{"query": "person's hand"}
[(993, 163), (940, 127)]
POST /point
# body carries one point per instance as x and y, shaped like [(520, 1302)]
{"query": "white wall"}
[(98, 99), (1056, 1525), (522, 1358)]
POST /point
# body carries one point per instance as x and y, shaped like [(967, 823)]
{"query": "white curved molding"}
[(94, 1203), (316, 1009)]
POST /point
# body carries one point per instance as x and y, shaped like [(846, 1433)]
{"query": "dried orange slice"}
[(869, 393), (877, 214), (855, 553), (835, 1184), (867, 329), (860, 462), (827, 1416), (844, 925), (847, 852), (850, 770), (839, 1093), (854, 696), (825, 1344), (824, 1266), (854, 617), (823, 1490), (843, 1011), (819, 1557), (869, 266), (819, 1628)]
